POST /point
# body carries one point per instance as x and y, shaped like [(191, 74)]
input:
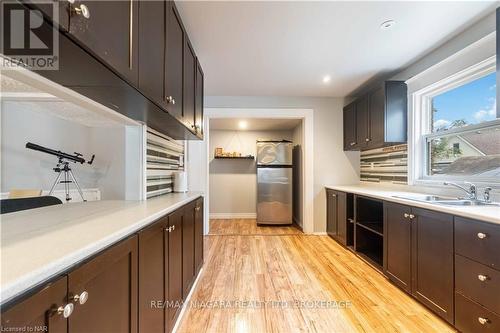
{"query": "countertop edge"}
[(441, 208), (35, 279)]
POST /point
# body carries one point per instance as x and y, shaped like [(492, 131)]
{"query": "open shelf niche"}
[(369, 230)]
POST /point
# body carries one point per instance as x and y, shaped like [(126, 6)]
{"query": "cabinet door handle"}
[(367, 140), (82, 10), (406, 215), (482, 277), (169, 229), (481, 235), (412, 216), (66, 310), (483, 321), (198, 208), (82, 298), (173, 227), (352, 143), (171, 100), (334, 195)]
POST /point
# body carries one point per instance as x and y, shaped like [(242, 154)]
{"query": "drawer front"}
[(470, 317), (478, 240), (478, 282)]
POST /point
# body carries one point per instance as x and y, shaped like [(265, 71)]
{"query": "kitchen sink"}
[(449, 201), (468, 203), (424, 198)]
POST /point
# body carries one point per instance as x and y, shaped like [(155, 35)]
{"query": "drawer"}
[(478, 240), (478, 282), (471, 317)]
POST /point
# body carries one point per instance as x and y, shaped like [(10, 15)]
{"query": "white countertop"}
[(41, 243), (484, 213)]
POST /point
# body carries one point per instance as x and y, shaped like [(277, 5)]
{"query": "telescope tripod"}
[(69, 177)]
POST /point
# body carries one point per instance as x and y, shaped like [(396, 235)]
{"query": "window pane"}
[(475, 153), (471, 103)]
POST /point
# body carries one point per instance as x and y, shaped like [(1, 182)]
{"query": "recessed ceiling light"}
[(387, 24), (326, 78), (242, 124)]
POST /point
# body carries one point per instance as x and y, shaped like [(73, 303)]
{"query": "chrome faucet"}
[(471, 192), (486, 194)]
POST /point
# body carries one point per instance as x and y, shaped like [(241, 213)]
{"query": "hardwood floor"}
[(296, 268), (248, 227)]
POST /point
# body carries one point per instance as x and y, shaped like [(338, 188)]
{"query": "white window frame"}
[(420, 126)]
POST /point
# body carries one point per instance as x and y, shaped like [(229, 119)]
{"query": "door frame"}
[(306, 115)]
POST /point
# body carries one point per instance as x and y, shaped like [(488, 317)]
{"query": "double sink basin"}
[(448, 201)]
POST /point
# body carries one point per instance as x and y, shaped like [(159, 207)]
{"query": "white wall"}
[(233, 183), (331, 164), (298, 179), (25, 168)]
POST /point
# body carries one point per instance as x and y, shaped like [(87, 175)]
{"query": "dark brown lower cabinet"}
[(432, 261), (153, 241), (198, 235), (188, 248), (397, 245), (474, 318), (336, 219), (39, 313), (110, 281), (136, 285), (173, 283), (420, 242)]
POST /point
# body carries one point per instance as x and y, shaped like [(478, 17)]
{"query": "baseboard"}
[(187, 301), (233, 215)]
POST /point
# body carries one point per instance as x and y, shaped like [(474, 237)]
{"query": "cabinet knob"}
[(412, 216), (173, 227), (334, 195), (483, 321), (198, 208), (66, 310), (169, 229), (82, 298), (367, 140), (481, 235), (482, 277), (352, 143), (82, 10), (171, 100), (406, 215)]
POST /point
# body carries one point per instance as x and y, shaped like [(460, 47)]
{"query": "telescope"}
[(76, 157), (62, 168)]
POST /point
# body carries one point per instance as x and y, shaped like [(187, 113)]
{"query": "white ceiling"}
[(284, 48), (254, 124)]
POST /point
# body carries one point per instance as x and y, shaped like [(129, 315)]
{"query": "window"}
[(459, 127)]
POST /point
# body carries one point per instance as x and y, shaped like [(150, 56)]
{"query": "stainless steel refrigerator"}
[(274, 182)]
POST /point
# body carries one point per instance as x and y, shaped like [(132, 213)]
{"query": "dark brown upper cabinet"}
[(189, 82), (350, 137), (47, 9), (109, 30), (109, 283), (174, 60), (152, 40), (198, 108), (362, 122), (46, 308), (419, 255), (378, 118)]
